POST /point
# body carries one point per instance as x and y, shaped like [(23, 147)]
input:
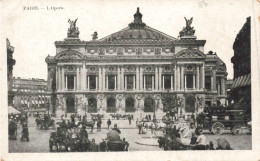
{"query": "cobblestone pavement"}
[(39, 139)]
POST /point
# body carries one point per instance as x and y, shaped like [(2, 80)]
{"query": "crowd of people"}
[(13, 122)]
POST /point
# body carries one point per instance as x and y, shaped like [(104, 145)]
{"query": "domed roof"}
[(138, 30)]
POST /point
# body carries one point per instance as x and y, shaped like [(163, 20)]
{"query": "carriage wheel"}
[(184, 128), (237, 130), (218, 128)]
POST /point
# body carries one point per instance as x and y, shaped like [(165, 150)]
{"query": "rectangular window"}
[(218, 85), (92, 82), (148, 81), (70, 82), (189, 81), (130, 81), (111, 82), (208, 83), (167, 81)]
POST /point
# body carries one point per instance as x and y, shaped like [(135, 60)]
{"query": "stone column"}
[(163, 82), (197, 77), (96, 83), (193, 81), (160, 78), (211, 83), (182, 75), (137, 78), (57, 78), (156, 78), (75, 83), (171, 82), (175, 77), (203, 76), (66, 82), (141, 78), (99, 79), (115, 82), (185, 81), (134, 82), (223, 86), (125, 82), (88, 82), (178, 78), (83, 77), (214, 79), (118, 78), (152, 82), (122, 78), (104, 78), (62, 78), (77, 78), (144, 83)]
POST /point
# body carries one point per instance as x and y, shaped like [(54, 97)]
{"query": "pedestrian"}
[(108, 123), (152, 128), (25, 133), (129, 119), (99, 122), (201, 141), (139, 125), (116, 129)]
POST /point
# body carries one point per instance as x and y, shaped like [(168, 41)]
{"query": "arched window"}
[(129, 105), (70, 104), (190, 103), (111, 105), (149, 105), (92, 105)]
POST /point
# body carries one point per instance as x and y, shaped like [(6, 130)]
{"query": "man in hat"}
[(25, 133), (116, 129), (201, 141)]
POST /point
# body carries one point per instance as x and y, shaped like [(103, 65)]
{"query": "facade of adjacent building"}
[(241, 88), (10, 64), (132, 69), (30, 95)]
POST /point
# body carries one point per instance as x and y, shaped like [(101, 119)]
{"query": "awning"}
[(248, 81), (242, 81), (12, 110)]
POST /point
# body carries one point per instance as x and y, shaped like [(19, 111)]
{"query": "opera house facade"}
[(130, 71)]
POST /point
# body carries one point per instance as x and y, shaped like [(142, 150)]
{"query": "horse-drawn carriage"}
[(120, 116), (45, 123), (120, 145), (220, 119), (96, 117)]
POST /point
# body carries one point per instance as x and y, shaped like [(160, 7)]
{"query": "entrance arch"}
[(111, 105), (92, 105), (190, 103), (70, 105), (129, 105), (149, 105)]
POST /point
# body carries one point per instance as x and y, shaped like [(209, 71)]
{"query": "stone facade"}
[(10, 64), (30, 95), (129, 71)]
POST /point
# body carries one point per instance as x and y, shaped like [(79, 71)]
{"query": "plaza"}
[(39, 139)]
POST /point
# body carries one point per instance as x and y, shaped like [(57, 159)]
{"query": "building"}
[(30, 95), (10, 64), (229, 85), (132, 70), (241, 88)]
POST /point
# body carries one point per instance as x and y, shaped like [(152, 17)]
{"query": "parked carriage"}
[(45, 124), (181, 124), (218, 120)]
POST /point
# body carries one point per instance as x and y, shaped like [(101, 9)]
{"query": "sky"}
[(33, 32)]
